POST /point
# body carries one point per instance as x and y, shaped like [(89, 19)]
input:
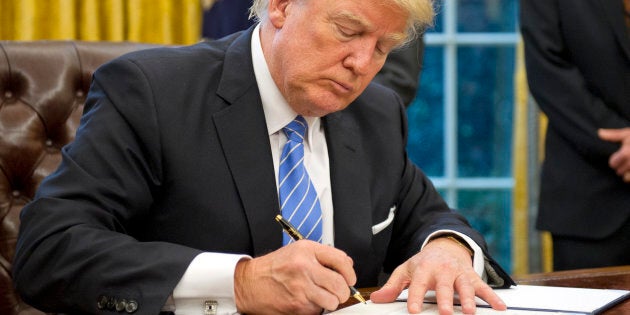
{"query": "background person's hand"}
[(620, 160), (445, 267), (301, 278)]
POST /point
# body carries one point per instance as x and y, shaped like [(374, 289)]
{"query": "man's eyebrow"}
[(396, 38), (352, 18)]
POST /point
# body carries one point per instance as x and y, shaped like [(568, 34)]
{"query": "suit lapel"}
[(350, 188), (244, 138), (613, 11)]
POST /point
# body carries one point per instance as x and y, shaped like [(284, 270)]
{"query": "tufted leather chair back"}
[(43, 85)]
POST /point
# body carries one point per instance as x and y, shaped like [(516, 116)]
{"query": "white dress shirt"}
[(210, 276)]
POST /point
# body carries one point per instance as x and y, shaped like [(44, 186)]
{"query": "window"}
[(460, 123)]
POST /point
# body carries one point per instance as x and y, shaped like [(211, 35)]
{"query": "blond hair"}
[(421, 14)]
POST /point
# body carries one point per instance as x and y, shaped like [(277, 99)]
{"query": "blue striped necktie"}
[(298, 199)]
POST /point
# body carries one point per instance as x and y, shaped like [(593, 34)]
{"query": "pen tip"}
[(359, 297)]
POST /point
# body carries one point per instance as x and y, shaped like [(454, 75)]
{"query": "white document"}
[(522, 299), (400, 308)]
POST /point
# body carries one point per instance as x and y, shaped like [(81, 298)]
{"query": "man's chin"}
[(321, 104), (323, 110)]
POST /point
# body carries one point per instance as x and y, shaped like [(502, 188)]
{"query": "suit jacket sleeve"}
[(391, 180), (401, 71), (75, 245), (419, 194)]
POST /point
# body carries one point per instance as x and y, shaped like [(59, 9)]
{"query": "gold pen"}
[(296, 236)]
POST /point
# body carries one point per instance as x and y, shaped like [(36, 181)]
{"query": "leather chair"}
[(43, 86)]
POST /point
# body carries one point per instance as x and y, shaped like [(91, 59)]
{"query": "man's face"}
[(324, 53)]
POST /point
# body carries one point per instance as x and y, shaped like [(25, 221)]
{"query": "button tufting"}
[(8, 94), (49, 143), (80, 93), (15, 193)]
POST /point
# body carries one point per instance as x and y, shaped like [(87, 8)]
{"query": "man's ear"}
[(278, 11)]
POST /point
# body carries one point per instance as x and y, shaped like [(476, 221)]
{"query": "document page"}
[(400, 308), (522, 299), (587, 301)]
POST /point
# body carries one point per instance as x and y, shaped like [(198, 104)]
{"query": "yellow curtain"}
[(546, 241), (520, 211), (150, 21), (522, 187)]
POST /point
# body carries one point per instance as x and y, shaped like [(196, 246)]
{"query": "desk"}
[(598, 278)]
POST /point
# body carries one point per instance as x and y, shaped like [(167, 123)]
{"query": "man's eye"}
[(345, 32)]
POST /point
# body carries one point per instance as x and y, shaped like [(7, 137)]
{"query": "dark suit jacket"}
[(173, 158), (578, 68)]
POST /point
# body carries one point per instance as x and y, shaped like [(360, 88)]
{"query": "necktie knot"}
[(296, 129)]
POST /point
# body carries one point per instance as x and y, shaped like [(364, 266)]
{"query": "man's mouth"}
[(342, 87)]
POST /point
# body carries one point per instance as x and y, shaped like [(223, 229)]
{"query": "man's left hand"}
[(444, 266)]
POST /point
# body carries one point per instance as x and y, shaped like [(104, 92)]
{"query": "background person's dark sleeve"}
[(226, 17), (401, 71)]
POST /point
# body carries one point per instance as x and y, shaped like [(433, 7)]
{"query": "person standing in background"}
[(226, 17), (401, 71), (577, 56)]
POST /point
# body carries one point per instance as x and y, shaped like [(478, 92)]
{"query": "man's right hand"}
[(301, 278), (620, 160)]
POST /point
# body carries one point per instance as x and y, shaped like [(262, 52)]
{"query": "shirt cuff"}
[(209, 278), (478, 258)]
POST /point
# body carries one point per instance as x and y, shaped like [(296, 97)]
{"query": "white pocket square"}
[(381, 226)]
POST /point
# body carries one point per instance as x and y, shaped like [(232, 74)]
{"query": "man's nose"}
[(361, 58)]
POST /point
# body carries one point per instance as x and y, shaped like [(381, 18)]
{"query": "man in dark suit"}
[(166, 198), (578, 68)]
